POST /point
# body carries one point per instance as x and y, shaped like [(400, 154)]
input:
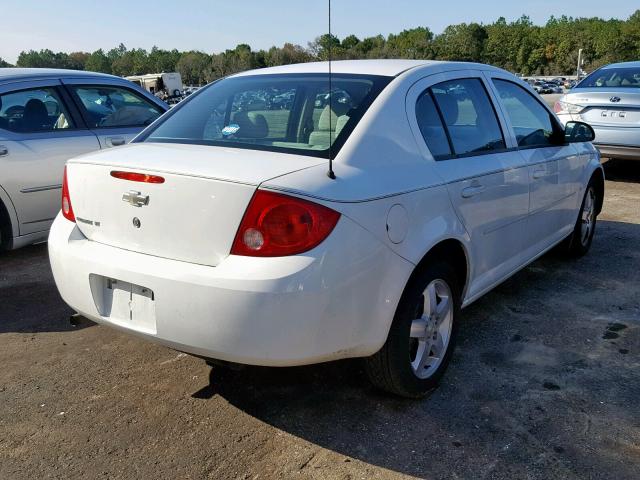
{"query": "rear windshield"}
[(283, 113), (612, 77)]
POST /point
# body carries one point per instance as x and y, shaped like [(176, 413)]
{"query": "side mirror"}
[(576, 132)]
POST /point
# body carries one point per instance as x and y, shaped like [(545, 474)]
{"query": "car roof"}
[(18, 74), (383, 67), (635, 64)]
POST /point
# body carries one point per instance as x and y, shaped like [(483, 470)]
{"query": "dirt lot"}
[(545, 384)]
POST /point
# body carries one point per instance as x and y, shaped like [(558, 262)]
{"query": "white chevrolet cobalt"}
[(223, 230)]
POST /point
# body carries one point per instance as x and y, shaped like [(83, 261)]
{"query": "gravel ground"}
[(544, 384)]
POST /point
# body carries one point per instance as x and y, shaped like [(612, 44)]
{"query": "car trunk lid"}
[(618, 107), (191, 216)]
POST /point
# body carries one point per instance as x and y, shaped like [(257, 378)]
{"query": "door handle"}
[(116, 141), (471, 191), (539, 173), (3, 151)]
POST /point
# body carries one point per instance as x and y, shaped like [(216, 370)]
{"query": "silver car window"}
[(106, 106), (33, 110)]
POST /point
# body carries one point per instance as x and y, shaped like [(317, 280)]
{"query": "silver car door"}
[(550, 161), (116, 112), (486, 178), (38, 134)]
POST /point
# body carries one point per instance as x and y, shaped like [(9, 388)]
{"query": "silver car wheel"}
[(431, 331), (588, 216)]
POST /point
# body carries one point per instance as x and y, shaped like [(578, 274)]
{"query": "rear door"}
[(555, 168), (39, 132), (486, 178), (115, 113)]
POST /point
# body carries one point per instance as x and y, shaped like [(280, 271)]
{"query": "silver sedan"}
[(46, 117), (609, 101)]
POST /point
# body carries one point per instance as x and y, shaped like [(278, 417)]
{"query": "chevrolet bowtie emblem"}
[(135, 198)]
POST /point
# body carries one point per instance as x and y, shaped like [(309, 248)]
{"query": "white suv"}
[(224, 232)]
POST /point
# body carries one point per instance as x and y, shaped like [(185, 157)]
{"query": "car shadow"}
[(29, 299), (627, 171), (503, 396)]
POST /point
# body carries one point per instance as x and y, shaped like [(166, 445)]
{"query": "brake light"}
[(67, 209), (137, 177), (277, 225), (564, 107)]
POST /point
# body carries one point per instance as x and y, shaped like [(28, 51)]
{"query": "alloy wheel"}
[(431, 330)]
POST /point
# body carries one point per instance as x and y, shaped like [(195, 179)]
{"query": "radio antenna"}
[(330, 173)]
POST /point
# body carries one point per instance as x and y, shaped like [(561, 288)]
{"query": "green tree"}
[(463, 42), (414, 43), (98, 62)]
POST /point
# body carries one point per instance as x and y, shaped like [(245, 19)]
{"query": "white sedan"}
[(355, 220)]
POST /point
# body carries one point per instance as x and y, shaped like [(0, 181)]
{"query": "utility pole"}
[(579, 65)]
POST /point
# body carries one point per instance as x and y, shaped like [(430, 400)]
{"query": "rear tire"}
[(579, 242), (422, 336)]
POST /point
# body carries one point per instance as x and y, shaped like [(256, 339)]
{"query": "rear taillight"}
[(276, 225), (67, 209), (564, 107)]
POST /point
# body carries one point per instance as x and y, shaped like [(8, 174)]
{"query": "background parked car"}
[(46, 117), (609, 101)]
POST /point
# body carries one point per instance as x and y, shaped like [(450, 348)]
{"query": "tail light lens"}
[(564, 107), (67, 208), (277, 225)]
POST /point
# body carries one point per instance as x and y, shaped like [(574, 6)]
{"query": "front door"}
[(116, 114), (541, 143)]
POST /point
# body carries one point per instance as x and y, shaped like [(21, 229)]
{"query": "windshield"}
[(294, 113), (612, 77)]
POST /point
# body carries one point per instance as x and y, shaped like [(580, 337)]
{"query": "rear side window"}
[(531, 122), (456, 118), (431, 127), (35, 110), (106, 106)]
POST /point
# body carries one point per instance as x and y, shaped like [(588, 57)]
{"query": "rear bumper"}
[(336, 301), (623, 152), (612, 141)]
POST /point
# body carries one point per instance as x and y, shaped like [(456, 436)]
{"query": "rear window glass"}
[(612, 78), (289, 113)]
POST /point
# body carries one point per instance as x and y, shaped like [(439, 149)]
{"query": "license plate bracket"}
[(124, 303)]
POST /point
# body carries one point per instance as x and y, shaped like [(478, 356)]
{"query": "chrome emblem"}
[(135, 198), (614, 99)]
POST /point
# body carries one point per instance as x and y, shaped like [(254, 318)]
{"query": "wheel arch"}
[(597, 179), (454, 251), (8, 220)]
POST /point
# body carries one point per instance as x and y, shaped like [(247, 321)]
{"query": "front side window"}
[(35, 110), (532, 123), (295, 113), (615, 77), (106, 106), (468, 116)]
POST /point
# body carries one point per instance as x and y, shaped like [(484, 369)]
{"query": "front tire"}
[(579, 241), (422, 335)]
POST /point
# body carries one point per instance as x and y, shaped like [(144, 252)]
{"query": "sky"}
[(213, 25)]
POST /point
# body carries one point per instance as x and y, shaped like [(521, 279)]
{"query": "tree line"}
[(518, 46)]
